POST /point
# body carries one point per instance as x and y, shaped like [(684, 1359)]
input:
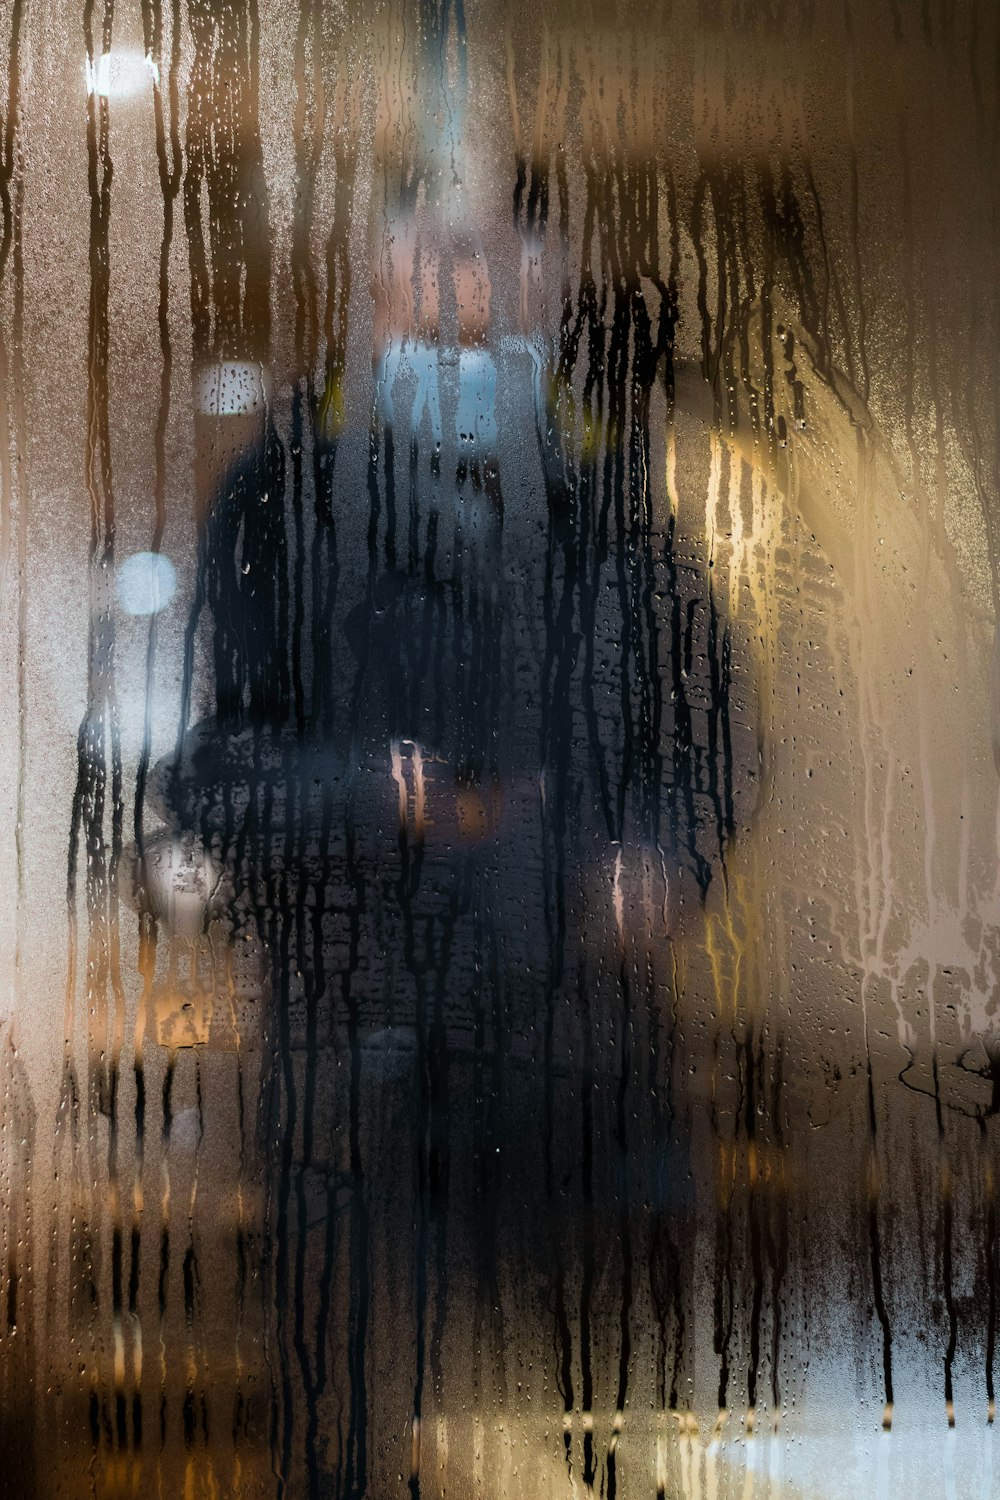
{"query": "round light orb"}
[(145, 583)]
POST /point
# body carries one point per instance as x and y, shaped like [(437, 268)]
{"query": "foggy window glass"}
[(499, 821)]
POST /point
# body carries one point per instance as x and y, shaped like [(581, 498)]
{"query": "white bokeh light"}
[(120, 75), (145, 583)]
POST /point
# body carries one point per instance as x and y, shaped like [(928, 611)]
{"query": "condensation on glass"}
[(501, 909)]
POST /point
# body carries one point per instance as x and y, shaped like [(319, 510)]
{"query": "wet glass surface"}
[(498, 779)]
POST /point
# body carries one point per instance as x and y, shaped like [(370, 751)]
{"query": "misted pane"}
[(499, 581)]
